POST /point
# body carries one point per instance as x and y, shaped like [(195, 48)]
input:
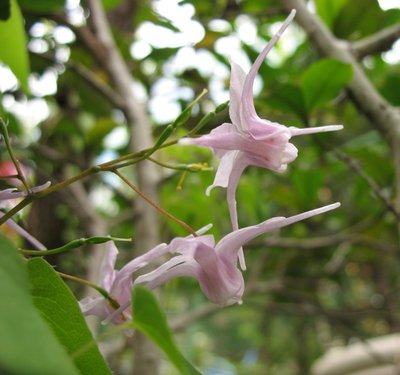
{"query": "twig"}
[(73, 245), (91, 79), (155, 205), (379, 42), (182, 321), (356, 167), (102, 291), (318, 243), (106, 91), (383, 116)]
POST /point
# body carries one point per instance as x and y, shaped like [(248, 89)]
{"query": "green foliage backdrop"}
[(330, 280)]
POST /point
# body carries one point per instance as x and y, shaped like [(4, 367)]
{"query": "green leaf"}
[(13, 51), (289, 98), (307, 183), (355, 21), (60, 309), (5, 10), (150, 320), (323, 81), (27, 344), (329, 9), (42, 5)]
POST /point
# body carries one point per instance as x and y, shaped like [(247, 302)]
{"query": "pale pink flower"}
[(118, 284), (250, 140), (13, 193), (7, 170), (213, 265)]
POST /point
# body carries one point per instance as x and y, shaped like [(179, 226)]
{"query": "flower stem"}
[(155, 205), (194, 167), (99, 289), (113, 165), (73, 245)]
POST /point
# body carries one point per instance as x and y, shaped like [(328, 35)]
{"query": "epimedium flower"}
[(13, 193), (118, 284), (213, 264), (248, 139), (8, 172)]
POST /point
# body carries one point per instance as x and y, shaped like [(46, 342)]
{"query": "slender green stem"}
[(73, 245), (16, 209), (112, 165), (207, 118), (29, 198), (195, 167), (99, 289)]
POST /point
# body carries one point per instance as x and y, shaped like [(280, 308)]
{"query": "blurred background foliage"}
[(327, 281)]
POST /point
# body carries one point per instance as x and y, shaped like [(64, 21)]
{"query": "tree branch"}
[(377, 190), (93, 81), (182, 321), (146, 227), (379, 42), (327, 241), (382, 115)]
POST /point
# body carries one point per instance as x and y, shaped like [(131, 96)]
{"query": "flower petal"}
[(123, 280), (229, 246), (180, 265), (37, 189), (10, 193), (241, 162), (238, 77), (272, 132), (107, 272), (219, 279), (13, 193), (218, 140), (318, 129), (248, 111), (22, 232), (95, 306), (188, 246), (226, 165)]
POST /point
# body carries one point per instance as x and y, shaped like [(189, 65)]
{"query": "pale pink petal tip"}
[(208, 190), (329, 207), (318, 129), (242, 261), (291, 14), (203, 230), (185, 141), (36, 189)]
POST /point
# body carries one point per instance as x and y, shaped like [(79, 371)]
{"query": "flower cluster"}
[(248, 140), (213, 265)]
